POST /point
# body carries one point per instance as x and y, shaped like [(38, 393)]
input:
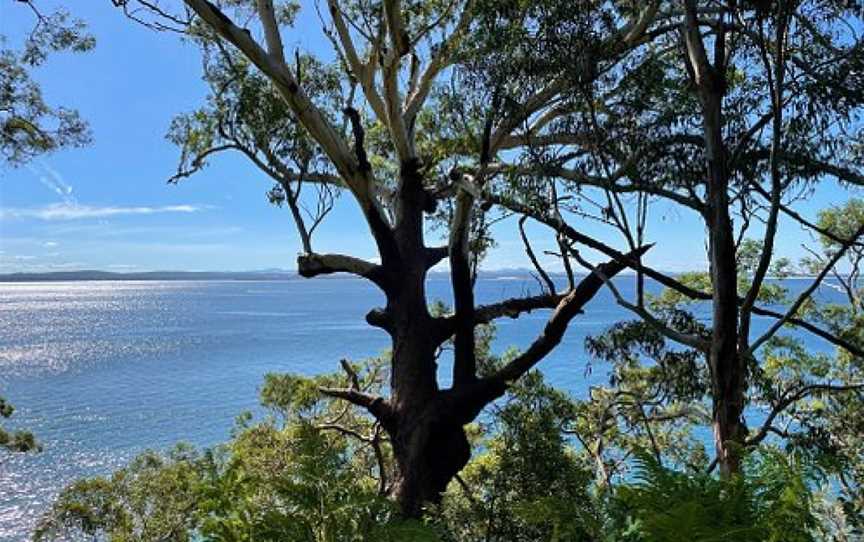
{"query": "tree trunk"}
[(430, 449), (429, 443), (429, 446), (727, 368)]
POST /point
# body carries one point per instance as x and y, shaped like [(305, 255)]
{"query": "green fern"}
[(771, 503)]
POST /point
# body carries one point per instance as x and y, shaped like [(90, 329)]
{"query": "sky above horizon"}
[(108, 206)]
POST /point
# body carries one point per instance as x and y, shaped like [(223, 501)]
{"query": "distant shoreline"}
[(89, 276), (265, 275)]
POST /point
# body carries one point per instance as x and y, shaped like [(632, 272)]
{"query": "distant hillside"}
[(148, 275), (265, 274)]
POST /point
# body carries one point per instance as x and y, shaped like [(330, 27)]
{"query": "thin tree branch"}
[(789, 399), (805, 295), (567, 309), (271, 30), (550, 286)]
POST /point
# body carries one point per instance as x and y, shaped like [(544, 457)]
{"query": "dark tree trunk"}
[(430, 450), (728, 378), (429, 443), (728, 372)]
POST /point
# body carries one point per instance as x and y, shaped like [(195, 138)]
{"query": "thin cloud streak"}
[(69, 211), (52, 180)]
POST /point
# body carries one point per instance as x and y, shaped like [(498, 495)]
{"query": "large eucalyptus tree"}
[(376, 123), (734, 111), (444, 114)]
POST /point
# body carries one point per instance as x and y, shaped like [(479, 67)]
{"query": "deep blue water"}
[(103, 370)]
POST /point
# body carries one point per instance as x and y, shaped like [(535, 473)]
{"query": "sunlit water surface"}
[(103, 370)]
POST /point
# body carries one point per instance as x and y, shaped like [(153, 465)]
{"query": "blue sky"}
[(107, 206)]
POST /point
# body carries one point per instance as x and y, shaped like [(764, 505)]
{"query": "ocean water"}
[(101, 371)]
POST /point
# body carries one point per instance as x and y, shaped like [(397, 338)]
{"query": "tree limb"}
[(567, 309), (682, 338), (271, 30), (805, 295), (376, 406), (313, 265), (665, 280), (365, 74), (309, 116), (464, 356), (439, 61), (789, 399)]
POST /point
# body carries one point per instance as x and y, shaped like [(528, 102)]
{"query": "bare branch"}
[(791, 213), (566, 310), (312, 265), (309, 116), (550, 286), (399, 39), (775, 82), (344, 430), (376, 406), (682, 338), (307, 113), (665, 280), (609, 183), (511, 308), (441, 60), (805, 295), (697, 59), (352, 374), (364, 73), (435, 255), (464, 362)]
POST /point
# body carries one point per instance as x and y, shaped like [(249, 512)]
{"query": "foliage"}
[(771, 503), (436, 113), (19, 441), (291, 481), (530, 482), (29, 126), (527, 483)]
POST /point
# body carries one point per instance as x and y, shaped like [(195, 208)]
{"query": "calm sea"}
[(103, 370)]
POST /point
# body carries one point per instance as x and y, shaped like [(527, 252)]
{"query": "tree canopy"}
[(440, 119), (30, 127)]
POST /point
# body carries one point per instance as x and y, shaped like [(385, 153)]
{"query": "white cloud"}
[(73, 211), (52, 180), (49, 244)]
